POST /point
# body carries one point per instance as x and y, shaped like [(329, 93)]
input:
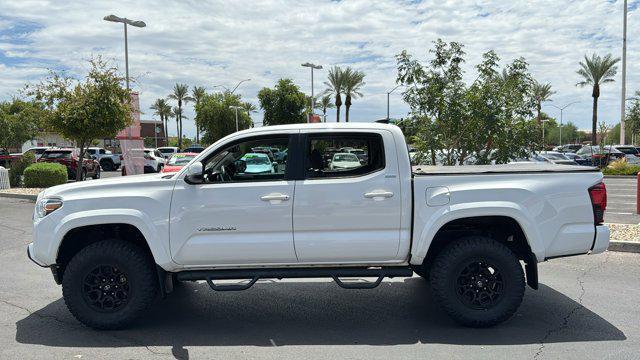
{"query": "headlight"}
[(45, 207)]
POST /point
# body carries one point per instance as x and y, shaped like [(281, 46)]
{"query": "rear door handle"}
[(378, 195), (275, 198)]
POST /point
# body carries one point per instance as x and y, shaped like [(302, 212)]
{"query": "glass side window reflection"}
[(253, 160)]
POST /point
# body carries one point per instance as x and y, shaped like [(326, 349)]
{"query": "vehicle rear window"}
[(627, 150), (166, 151), (56, 155)]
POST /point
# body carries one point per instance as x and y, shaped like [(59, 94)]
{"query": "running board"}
[(281, 273)]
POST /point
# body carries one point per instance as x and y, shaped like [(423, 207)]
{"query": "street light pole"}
[(236, 109), (313, 100), (389, 93), (624, 73), (234, 89), (125, 22), (561, 110)]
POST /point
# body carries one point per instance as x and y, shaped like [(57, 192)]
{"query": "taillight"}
[(598, 195)]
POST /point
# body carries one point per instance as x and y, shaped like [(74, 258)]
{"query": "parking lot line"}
[(618, 213)]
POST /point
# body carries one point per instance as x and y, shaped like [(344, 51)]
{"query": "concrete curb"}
[(19, 196), (624, 246)]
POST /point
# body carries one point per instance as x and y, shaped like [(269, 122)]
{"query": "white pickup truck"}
[(473, 231)]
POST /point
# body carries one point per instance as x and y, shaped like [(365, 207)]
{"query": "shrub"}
[(18, 166), (45, 175), (621, 167)]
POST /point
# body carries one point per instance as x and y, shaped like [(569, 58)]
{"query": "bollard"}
[(638, 194)]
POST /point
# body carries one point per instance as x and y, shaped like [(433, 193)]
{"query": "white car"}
[(476, 233), (343, 161), (167, 151), (257, 163), (108, 161), (142, 161)]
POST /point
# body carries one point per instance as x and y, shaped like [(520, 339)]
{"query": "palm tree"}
[(197, 93), (180, 94), (353, 82), (324, 104), (596, 71), (163, 110), (541, 93), (249, 108), (335, 85), (177, 113)]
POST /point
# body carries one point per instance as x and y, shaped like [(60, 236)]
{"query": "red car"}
[(69, 158), (177, 161)]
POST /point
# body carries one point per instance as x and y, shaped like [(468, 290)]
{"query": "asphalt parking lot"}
[(621, 200), (586, 307)]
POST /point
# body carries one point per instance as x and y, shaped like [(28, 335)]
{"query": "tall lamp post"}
[(125, 21), (389, 93), (313, 100), (236, 108), (624, 73), (234, 89), (543, 121), (561, 108)]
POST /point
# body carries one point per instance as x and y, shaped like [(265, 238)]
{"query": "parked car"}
[(70, 158), (557, 158), (600, 157), (476, 233), (344, 161), (577, 158), (153, 161), (6, 158), (568, 148), (195, 148), (258, 163), (108, 160), (630, 153), (265, 150), (167, 151), (177, 161)]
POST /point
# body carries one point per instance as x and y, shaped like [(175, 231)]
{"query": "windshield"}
[(555, 156), (627, 150), (166, 151), (255, 159), (56, 155), (345, 157), (180, 160)]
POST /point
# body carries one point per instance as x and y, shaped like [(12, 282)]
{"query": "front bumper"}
[(601, 241)]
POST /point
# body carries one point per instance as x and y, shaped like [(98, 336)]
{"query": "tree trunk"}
[(594, 121), (338, 104), (178, 129), (539, 108), (80, 161), (347, 105)]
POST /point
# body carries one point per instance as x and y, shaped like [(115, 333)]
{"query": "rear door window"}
[(340, 155)]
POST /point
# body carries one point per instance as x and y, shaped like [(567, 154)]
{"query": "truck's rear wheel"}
[(107, 165), (109, 283), (479, 282)]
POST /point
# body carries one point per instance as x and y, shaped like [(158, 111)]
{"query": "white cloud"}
[(221, 42)]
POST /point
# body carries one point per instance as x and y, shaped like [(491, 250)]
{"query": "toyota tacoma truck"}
[(476, 233)]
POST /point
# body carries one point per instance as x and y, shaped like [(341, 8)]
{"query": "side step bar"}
[(281, 273)]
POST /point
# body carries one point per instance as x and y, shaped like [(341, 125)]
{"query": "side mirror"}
[(194, 173)]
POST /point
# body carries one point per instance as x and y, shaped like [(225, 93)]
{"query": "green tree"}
[(632, 116), (596, 71), (284, 104), (163, 110), (323, 104), (20, 121), (353, 83), (181, 95), (250, 109), (96, 107), (541, 93), (335, 85), (197, 93), (218, 119)]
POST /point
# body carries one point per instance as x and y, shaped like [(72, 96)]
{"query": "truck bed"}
[(498, 169)]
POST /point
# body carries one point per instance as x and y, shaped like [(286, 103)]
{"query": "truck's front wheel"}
[(478, 281), (109, 283)]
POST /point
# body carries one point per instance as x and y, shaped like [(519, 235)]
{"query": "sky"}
[(208, 43)]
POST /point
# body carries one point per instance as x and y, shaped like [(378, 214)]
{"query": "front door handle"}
[(275, 198), (378, 195)]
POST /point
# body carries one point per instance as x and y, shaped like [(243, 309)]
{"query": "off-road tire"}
[(107, 165), (127, 258), (421, 271), (449, 275)]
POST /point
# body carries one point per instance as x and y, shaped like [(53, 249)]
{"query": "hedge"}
[(621, 167), (44, 175), (18, 166)]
